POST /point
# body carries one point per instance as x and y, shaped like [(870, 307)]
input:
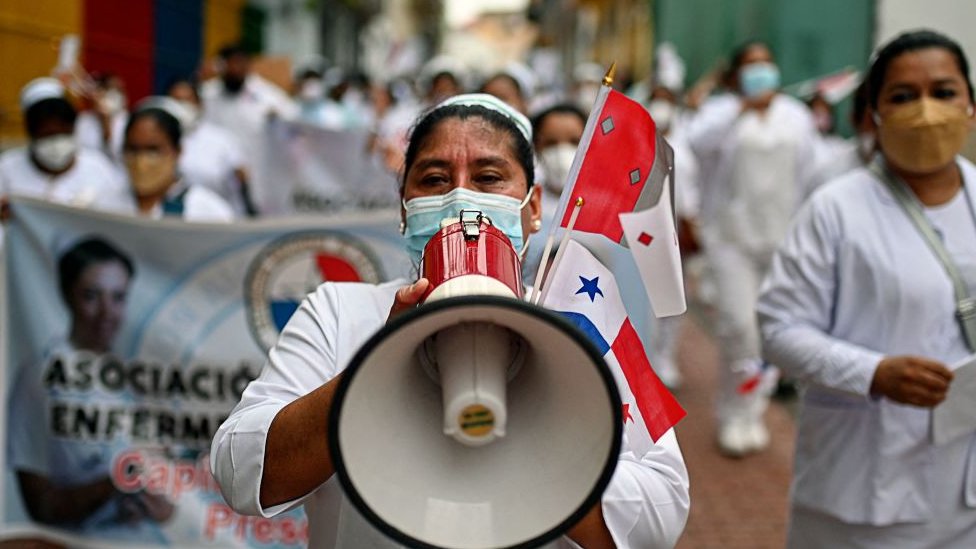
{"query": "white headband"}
[(491, 103)]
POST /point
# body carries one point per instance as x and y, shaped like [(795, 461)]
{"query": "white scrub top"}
[(245, 115), (92, 182), (645, 505), (854, 282), (199, 204), (755, 167), (210, 156), (88, 131)]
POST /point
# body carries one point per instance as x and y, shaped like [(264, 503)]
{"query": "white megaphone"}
[(476, 420)]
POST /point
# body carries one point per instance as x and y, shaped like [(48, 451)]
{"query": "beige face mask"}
[(150, 173), (924, 135)]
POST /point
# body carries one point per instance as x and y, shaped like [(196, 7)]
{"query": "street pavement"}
[(735, 503)]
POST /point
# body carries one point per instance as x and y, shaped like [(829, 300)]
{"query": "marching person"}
[(52, 166), (755, 149), (243, 102), (862, 306), (272, 452)]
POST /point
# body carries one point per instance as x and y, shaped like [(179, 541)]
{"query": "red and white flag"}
[(623, 166), (585, 292)]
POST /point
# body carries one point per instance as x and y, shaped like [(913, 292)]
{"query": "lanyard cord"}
[(965, 305)]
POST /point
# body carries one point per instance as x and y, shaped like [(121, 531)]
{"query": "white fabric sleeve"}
[(204, 205), (796, 305), (646, 504), (809, 144), (709, 130), (302, 360)]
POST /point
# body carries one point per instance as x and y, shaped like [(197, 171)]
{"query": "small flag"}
[(586, 293), (653, 242), (623, 172)]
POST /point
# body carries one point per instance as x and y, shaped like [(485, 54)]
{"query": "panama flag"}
[(623, 171), (585, 292)]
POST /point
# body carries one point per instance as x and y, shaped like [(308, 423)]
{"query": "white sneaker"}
[(757, 436), (739, 437), (734, 438)]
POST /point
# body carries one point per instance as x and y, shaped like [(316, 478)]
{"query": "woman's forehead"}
[(468, 136), (923, 65)]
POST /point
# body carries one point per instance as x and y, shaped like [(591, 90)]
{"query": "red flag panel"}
[(615, 168), (657, 406)]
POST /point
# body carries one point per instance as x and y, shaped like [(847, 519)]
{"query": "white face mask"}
[(662, 112), (556, 162), (312, 90), (424, 215), (56, 152)]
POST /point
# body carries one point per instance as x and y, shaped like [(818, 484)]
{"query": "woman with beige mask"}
[(870, 305), (151, 152)]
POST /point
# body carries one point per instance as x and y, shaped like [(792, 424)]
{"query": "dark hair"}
[(169, 124), (233, 50), (189, 81), (740, 51), (909, 42), (429, 121), (88, 252), (561, 108), (859, 104), (53, 107), (504, 76)]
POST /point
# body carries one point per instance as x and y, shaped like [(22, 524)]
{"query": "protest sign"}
[(129, 341)]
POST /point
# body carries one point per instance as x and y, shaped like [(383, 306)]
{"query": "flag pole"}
[(541, 271), (608, 78), (543, 288)]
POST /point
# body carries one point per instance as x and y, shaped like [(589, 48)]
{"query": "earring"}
[(403, 226), (536, 224)]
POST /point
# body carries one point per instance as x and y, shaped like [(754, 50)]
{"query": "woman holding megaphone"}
[(273, 452)]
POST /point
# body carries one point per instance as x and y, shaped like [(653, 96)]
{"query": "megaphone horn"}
[(502, 419)]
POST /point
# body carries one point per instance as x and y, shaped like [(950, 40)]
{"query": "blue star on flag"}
[(590, 287)]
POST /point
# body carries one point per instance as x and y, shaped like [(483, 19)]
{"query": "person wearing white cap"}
[(151, 152), (472, 151), (52, 166)]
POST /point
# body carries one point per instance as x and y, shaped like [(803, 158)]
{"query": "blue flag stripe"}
[(588, 328)]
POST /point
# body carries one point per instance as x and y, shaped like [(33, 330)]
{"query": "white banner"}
[(307, 169), (128, 341)]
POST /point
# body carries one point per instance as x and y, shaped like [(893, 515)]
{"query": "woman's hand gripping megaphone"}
[(408, 297)]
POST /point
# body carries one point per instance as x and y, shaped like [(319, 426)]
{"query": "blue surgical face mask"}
[(756, 79), (424, 215)]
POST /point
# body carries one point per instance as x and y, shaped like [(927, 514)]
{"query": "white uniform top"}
[(88, 131), (755, 167), (198, 204), (245, 115), (645, 505), (92, 182), (209, 157), (853, 282)]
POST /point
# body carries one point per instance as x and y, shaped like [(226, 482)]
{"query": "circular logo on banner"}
[(290, 268)]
